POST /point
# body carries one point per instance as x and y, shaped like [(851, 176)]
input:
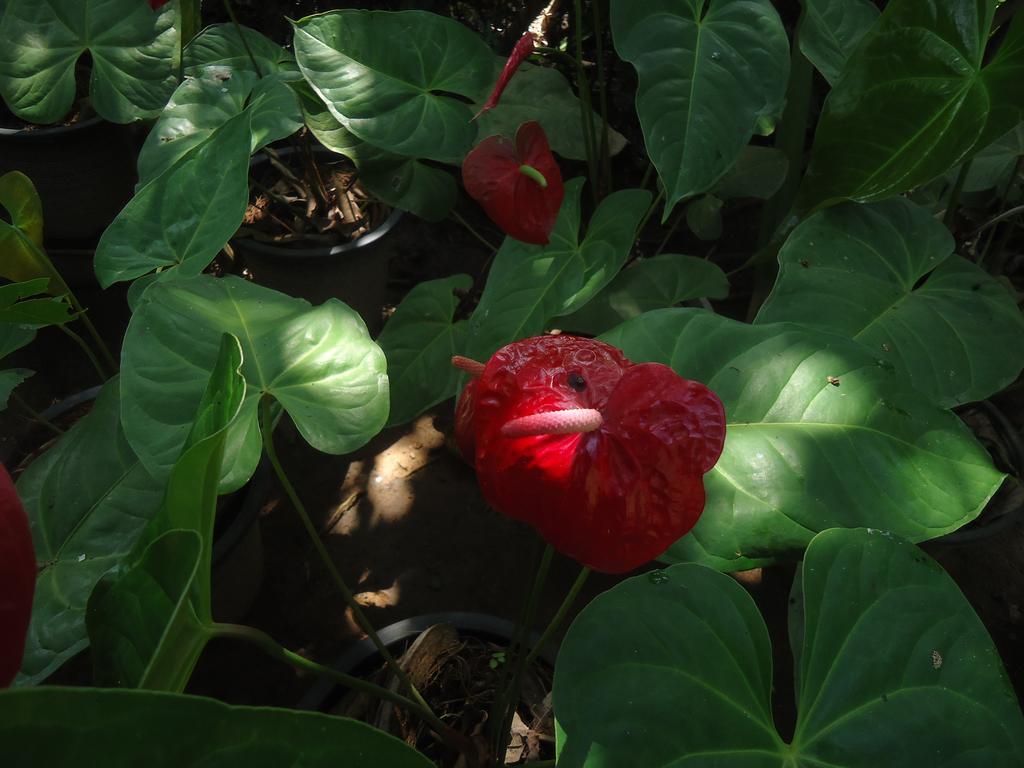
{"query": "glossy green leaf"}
[(419, 341), (184, 216), (319, 363), (126, 729), (133, 51), (885, 275), (221, 45), (704, 217), (402, 182), (542, 94), (205, 102), (21, 234), (831, 30), (992, 166), (35, 312), (893, 669), (913, 101), (656, 283), (820, 433), (758, 172), (708, 71), (391, 78), (530, 284), (88, 498), (9, 380)]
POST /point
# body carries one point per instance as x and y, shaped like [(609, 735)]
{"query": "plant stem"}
[(510, 696), (357, 611), (559, 616), (272, 648), (87, 350), (602, 90), (954, 195), (586, 111), (472, 231), (35, 415), (1003, 211), (245, 43), (650, 211), (97, 339)]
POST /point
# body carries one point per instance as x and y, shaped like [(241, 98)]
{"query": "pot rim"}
[(51, 131), (363, 650)]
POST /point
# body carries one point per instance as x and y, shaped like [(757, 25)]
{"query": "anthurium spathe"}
[(17, 579), (518, 183), (522, 50), (603, 456)]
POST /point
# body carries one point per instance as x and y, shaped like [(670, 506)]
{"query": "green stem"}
[(602, 91), (585, 106), (647, 175), (472, 231), (97, 339), (35, 415), (272, 648), (245, 43), (559, 616), (954, 195), (510, 696), (87, 350), (357, 611), (650, 211), (1002, 212)]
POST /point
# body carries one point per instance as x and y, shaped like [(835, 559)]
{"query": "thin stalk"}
[(357, 611), (559, 616), (245, 43), (1007, 214), (671, 231), (511, 695), (272, 648), (650, 211), (586, 111), (602, 90), (1002, 213), (472, 231), (97, 339), (647, 175), (87, 350), (35, 415), (954, 195)]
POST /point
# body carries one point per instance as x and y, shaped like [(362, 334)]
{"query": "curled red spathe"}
[(17, 579)]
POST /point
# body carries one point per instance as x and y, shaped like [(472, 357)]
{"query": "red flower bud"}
[(523, 48), (17, 579), (604, 457), (156, 5), (519, 185)]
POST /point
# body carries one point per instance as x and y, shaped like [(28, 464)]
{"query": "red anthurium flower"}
[(17, 579), (603, 456), (523, 48), (156, 5), (518, 184)]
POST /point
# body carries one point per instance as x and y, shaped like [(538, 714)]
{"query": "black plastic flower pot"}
[(84, 173), (356, 272)]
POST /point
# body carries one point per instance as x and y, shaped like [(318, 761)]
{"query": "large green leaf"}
[(32, 312), (708, 71), (21, 234), (530, 284), (222, 45), (885, 275), (319, 363), (88, 498), (133, 50), (893, 669), (544, 95), (820, 433), (758, 172), (184, 216), (206, 101), (149, 622), (656, 283), (126, 729), (392, 78), (831, 30), (399, 181), (419, 341), (913, 101)]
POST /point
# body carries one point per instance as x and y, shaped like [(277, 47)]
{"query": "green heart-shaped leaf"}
[(914, 100), (221, 45), (708, 72), (319, 363), (820, 433), (126, 729), (419, 341), (389, 78), (530, 284), (184, 216), (88, 498), (133, 50), (656, 283), (885, 275), (21, 238), (893, 669), (831, 30)]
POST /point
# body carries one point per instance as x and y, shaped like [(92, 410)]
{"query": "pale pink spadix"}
[(564, 422)]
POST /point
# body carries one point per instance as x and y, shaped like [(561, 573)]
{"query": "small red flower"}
[(156, 5), (522, 49), (17, 579), (604, 457), (519, 185)]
